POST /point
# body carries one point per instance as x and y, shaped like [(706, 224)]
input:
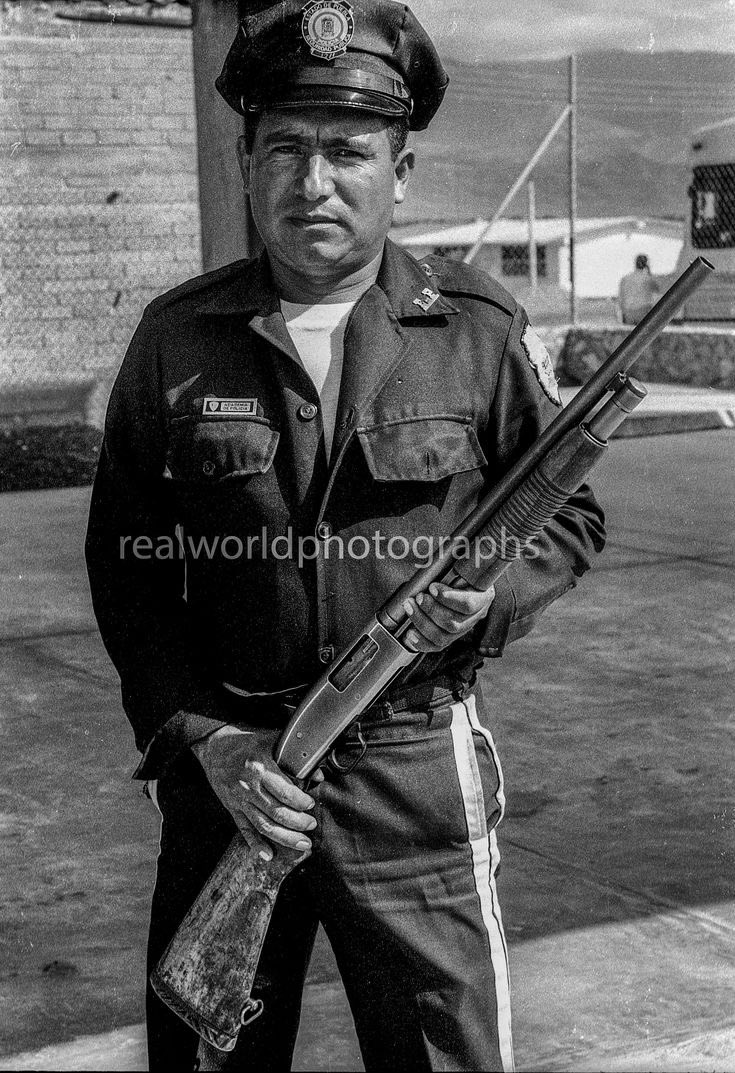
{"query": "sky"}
[(480, 30)]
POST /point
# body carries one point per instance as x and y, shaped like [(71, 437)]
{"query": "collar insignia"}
[(427, 301), (327, 27)]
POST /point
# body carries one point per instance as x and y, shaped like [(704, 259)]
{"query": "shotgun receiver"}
[(207, 972)]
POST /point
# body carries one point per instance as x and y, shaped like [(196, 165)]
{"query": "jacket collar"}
[(375, 342), (408, 288), (251, 293), (251, 290)]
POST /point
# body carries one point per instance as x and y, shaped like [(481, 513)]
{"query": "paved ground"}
[(613, 717)]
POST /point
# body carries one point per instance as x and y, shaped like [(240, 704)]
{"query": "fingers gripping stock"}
[(207, 972)]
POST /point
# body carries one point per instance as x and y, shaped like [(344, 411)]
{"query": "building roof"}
[(723, 124), (515, 232)]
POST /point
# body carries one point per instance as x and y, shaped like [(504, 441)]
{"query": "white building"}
[(605, 249)]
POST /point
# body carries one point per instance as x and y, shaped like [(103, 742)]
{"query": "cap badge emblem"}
[(327, 27)]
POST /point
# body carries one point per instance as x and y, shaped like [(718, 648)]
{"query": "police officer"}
[(286, 439)]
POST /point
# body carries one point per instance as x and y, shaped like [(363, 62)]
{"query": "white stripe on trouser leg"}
[(500, 798), (484, 862), (151, 787), (476, 725)]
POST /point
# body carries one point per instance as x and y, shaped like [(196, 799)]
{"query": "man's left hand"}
[(443, 614)]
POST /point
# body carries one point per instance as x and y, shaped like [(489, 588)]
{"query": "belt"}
[(424, 695), (292, 695), (420, 697), (401, 699)]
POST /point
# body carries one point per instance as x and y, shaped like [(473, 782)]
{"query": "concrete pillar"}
[(227, 228)]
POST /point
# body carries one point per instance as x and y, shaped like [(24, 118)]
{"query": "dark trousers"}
[(402, 877)]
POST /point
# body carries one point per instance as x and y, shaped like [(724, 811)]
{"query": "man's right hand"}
[(268, 808)]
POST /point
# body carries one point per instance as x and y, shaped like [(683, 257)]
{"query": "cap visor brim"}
[(340, 97)]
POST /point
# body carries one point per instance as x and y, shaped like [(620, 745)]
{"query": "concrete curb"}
[(123, 1050), (673, 408), (713, 1052), (663, 424)]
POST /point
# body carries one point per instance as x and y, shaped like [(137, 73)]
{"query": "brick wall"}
[(98, 190)]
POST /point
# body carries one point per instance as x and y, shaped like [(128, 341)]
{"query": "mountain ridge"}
[(636, 116)]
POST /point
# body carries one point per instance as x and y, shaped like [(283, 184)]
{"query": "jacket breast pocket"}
[(209, 452), (421, 448)]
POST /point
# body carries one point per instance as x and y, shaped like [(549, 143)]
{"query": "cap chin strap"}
[(394, 91), (352, 78)]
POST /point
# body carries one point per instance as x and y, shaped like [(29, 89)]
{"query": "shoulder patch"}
[(540, 361)]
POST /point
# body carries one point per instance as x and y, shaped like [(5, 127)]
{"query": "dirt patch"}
[(46, 456)]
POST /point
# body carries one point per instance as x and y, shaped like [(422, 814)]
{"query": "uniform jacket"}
[(213, 431)]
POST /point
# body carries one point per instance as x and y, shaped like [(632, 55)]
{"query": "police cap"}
[(368, 54)]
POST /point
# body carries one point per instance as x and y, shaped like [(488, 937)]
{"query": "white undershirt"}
[(318, 333)]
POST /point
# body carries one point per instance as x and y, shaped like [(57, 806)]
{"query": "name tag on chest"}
[(216, 407)]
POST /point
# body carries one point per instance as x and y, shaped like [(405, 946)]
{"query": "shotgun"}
[(207, 971)]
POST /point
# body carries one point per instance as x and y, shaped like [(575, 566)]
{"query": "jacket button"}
[(208, 468), (324, 530), (307, 411), (326, 654)]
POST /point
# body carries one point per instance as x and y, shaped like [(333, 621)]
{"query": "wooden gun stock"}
[(207, 972)]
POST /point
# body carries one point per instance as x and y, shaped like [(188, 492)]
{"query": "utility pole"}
[(572, 186), (532, 260), (517, 185), (226, 223)]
